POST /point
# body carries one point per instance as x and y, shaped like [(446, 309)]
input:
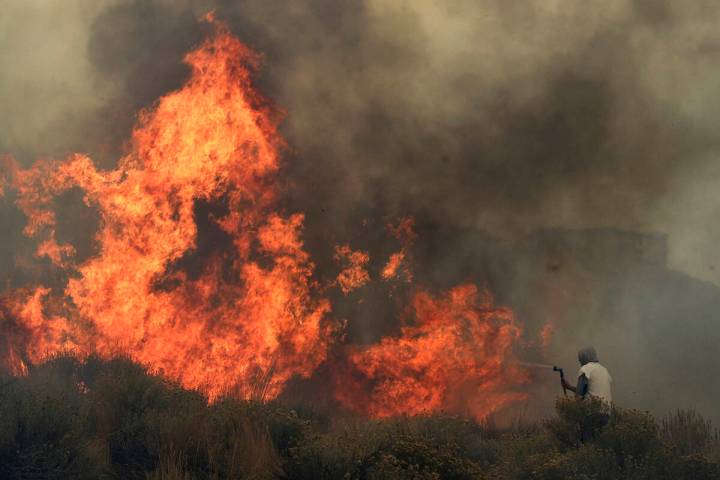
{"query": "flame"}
[(546, 334), (404, 232), (57, 253), (393, 265), (454, 356), (213, 140), (244, 320), (354, 275)]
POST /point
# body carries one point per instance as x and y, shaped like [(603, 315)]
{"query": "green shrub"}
[(239, 440), (285, 427), (629, 434), (475, 441), (42, 432), (342, 452), (125, 407), (662, 464), (694, 467), (112, 419), (584, 463), (578, 421), (413, 457), (171, 467), (396, 448), (520, 455)]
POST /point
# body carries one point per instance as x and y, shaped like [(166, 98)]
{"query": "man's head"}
[(587, 355)]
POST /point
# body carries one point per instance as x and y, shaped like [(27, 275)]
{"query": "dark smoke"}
[(487, 121)]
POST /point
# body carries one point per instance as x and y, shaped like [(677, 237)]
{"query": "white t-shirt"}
[(599, 380)]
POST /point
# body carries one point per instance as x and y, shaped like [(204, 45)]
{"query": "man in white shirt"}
[(593, 378)]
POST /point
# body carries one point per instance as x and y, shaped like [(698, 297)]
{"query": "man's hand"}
[(567, 386)]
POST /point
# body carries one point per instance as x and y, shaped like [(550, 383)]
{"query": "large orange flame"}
[(452, 356), (211, 140), (248, 319)]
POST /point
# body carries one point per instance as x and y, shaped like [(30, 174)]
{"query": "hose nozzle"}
[(562, 378)]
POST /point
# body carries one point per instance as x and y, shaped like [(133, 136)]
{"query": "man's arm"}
[(567, 386), (582, 386), (580, 389)]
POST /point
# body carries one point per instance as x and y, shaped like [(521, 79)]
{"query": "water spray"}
[(544, 365)]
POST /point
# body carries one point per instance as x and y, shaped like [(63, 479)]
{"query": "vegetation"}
[(110, 419)]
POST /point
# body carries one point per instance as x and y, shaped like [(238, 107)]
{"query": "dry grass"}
[(171, 467), (687, 432)]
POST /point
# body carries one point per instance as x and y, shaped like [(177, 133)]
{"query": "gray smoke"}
[(486, 120)]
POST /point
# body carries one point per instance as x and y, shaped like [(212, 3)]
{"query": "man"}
[(593, 378)]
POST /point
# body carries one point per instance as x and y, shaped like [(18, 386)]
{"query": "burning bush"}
[(452, 353)]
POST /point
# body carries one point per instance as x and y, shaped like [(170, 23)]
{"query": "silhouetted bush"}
[(578, 422), (587, 461), (44, 428), (398, 448), (630, 435), (111, 419)]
